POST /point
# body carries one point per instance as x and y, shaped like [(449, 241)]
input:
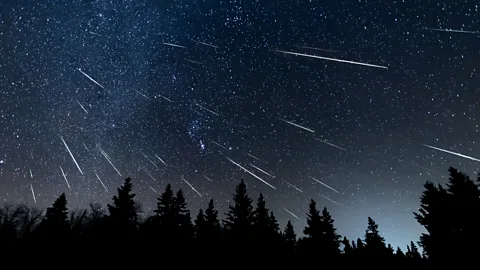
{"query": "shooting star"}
[(452, 153), (31, 154), (206, 44), (33, 193), (316, 49), (451, 30), (174, 45), (185, 180), (328, 199), (85, 146), (91, 79), (288, 183), (292, 214), (65, 177), (296, 125), (152, 188), (206, 177), (254, 157), (332, 59), (31, 174), (208, 110), (70, 152), (219, 145), (167, 99), (151, 161), (81, 106), (261, 170), (95, 34), (320, 182), (193, 61), (251, 173), (161, 160), (149, 174), (141, 94), (101, 182), (105, 155), (331, 144)]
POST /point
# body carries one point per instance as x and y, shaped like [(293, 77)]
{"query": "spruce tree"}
[(290, 239), (211, 217), (261, 220), (347, 248), (239, 218), (200, 225), (123, 211), (314, 223), (331, 238), (399, 253), (183, 220), (412, 252), (273, 224), (374, 242), (55, 224), (165, 212)]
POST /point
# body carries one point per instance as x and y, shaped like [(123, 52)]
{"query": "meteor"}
[(328, 199), (316, 49), (332, 59), (252, 174), (288, 183), (331, 144), (91, 79), (206, 177), (296, 125), (101, 182), (208, 110), (293, 215), (206, 44), (190, 185), (33, 193), (452, 153), (65, 177), (174, 45), (81, 106), (161, 160), (261, 170), (320, 182), (451, 30), (105, 155), (70, 152)]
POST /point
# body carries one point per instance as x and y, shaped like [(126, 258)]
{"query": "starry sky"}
[(201, 94)]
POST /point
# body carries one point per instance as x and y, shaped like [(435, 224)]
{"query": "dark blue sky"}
[(148, 108)]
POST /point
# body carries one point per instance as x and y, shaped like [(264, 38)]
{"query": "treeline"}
[(248, 235)]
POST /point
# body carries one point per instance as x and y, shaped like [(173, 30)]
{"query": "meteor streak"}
[(105, 155), (331, 144), (31, 174), (174, 45), (161, 160), (317, 49), (206, 177), (206, 44), (296, 125), (293, 215), (288, 183), (65, 177), (252, 174), (70, 152), (219, 145), (167, 99), (193, 61), (101, 182), (208, 110), (91, 79), (260, 170), (328, 199), (95, 34), (33, 193), (151, 161), (152, 188), (141, 94), (320, 182), (451, 30), (185, 180), (452, 153), (332, 59), (81, 106)]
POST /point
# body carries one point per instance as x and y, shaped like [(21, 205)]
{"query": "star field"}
[(199, 94)]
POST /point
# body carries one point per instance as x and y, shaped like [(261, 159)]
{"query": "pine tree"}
[(331, 238), (182, 216), (239, 218), (165, 209), (374, 242), (273, 224), (200, 225), (55, 224), (347, 248), (124, 210), (412, 252), (314, 222), (290, 238), (260, 216), (211, 217), (399, 253), (390, 250)]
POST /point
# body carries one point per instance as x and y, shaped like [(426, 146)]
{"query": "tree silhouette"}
[(374, 242), (211, 218), (183, 220), (412, 252), (347, 248), (331, 238), (55, 226), (290, 238), (240, 216), (124, 210)]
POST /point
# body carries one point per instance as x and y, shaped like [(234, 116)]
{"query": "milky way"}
[(174, 91)]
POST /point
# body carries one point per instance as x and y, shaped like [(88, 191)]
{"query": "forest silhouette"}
[(248, 236)]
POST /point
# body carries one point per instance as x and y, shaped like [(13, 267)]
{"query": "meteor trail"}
[(328, 199), (320, 182), (252, 174), (206, 44), (219, 145), (185, 180), (288, 183), (296, 125), (193, 61), (65, 177), (95, 34), (293, 215), (331, 144), (31, 174), (167, 99), (81, 106), (86, 148), (101, 182), (451, 30), (317, 49), (91, 79), (109, 161), (452, 153), (260, 170), (174, 45), (208, 110), (206, 177), (332, 59), (252, 156), (152, 188), (141, 94), (149, 174), (33, 193), (70, 152), (161, 160), (151, 161)]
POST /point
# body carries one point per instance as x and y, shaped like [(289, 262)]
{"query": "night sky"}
[(201, 94)]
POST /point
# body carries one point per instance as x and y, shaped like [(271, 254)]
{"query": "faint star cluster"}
[(353, 104)]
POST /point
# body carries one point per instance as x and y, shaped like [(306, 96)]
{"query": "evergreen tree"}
[(211, 217), (347, 248), (331, 238), (273, 224), (314, 222), (240, 217), (290, 239), (56, 223), (200, 225), (165, 212), (183, 220), (412, 252), (261, 221), (124, 210), (390, 250), (399, 253), (374, 242)]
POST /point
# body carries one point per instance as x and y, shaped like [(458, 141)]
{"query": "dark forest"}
[(248, 235)]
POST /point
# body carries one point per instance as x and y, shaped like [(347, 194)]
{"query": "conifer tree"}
[(260, 216), (182, 216), (239, 217), (200, 221), (412, 252), (331, 238), (347, 248), (374, 242), (56, 217), (314, 222), (211, 217), (124, 210), (166, 209), (290, 239), (399, 253), (273, 224)]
